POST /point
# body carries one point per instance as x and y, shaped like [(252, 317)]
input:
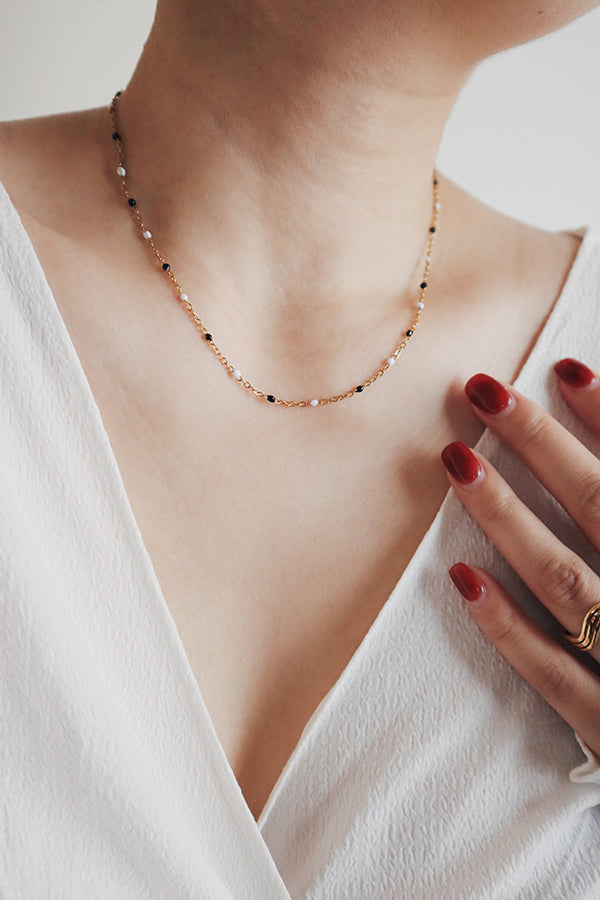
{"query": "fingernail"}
[(575, 374), (462, 463), (468, 582), (488, 394)]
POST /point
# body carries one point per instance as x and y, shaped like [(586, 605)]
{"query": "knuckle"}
[(552, 679), (500, 510), (535, 431), (564, 582), (589, 502), (504, 632)]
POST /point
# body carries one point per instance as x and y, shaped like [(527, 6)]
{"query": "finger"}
[(555, 456), (581, 389), (559, 578), (567, 685)]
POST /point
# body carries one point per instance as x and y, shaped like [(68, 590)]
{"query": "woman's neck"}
[(287, 164)]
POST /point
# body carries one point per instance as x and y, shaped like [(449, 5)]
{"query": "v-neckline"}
[(145, 562)]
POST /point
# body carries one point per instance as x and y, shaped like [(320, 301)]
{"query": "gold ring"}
[(590, 630)]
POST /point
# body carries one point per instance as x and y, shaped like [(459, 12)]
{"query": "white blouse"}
[(430, 770)]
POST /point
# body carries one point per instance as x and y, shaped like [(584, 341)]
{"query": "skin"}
[(566, 586), (282, 155)]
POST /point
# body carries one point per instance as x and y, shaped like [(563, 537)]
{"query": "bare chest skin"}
[(276, 535)]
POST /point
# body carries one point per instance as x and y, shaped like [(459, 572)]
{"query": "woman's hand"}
[(556, 575)]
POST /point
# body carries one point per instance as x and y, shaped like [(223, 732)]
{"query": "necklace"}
[(184, 300)]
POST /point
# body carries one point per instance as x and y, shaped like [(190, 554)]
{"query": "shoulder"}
[(44, 160), (514, 253), (497, 263), (28, 149)]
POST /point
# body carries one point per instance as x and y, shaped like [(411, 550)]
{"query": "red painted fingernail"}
[(574, 373), (488, 394), (468, 582), (461, 462)]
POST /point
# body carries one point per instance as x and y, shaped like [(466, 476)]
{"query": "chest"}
[(274, 555), (276, 538), (276, 535)]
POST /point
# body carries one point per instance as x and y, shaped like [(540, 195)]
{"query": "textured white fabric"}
[(430, 770)]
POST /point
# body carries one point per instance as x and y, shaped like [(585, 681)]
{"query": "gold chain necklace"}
[(184, 300)]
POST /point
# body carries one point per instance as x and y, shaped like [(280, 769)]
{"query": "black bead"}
[(118, 94), (270, 398), (423, 285), (131, 202), (360, 388), (166, 267), (208, 337), (116, 136), (432, 229), (435, 181), (409, 333)]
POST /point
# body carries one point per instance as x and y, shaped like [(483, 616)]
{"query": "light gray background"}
[(524, 136)]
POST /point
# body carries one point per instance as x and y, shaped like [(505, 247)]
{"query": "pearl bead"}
[(121, 171), (427, 259), (314, 402), (184, 297), (147, 234), (391, 361), (437, 205), (420, 304), (237, 374)]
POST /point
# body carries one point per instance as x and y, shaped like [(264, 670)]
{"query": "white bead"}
[(314, 402), (121, 171), (184, 297), (391, 360), (237, 374), (420, 304), (147, 234), (428, 259), (437, 205)]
